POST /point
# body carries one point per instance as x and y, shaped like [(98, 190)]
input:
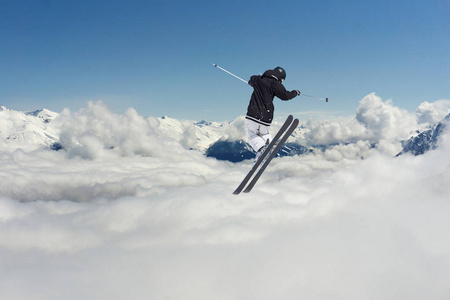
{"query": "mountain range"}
[(425, 140), (27, 129), (221, 140)]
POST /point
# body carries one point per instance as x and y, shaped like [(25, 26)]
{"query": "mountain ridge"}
[(426, 140), (221, 140)]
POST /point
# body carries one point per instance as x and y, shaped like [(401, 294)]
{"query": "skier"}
[(260, 109)]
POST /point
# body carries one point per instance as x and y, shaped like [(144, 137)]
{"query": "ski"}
[(286, 135), (261, 159)]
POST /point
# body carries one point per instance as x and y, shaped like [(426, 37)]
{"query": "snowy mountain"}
[(40, 128), (27, 129), (234, 151), (96, 129), (237, 151), (223, 141), (426, 140), (47, 129)]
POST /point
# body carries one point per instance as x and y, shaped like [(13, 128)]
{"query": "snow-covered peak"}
[(43, 113), (203, 123), (27, 130), (427, 139)]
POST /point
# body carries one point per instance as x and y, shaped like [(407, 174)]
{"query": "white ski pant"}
[(257, 134)]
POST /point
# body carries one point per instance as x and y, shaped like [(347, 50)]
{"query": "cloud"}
[(330, 132), (118, 219), (376, 122), (433, 112), (96, 132), (383, 120)]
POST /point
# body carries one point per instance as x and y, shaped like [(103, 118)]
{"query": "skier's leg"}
[(253, 132), (266, 137), (265, 134)]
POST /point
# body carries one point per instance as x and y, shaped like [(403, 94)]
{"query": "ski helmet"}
[(282, 72)]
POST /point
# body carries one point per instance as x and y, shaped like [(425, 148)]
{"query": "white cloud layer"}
[(375, 121), (126, 213), (433, 112)]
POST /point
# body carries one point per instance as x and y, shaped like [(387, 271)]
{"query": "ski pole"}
[(326, 99), (229, 73)]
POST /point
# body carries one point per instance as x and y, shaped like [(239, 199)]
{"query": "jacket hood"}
[(272, 74), (278, 73)]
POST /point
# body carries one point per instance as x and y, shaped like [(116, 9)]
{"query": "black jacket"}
[(265, 88)]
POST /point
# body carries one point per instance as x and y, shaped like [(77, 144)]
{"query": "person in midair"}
[(261, 109)]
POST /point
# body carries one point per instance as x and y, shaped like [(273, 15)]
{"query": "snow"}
[(125, 212), (27, 130)]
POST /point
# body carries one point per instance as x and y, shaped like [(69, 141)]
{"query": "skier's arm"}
[(252, 80), (281, 92)]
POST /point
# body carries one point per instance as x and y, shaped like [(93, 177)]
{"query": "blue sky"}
[(156, 56)]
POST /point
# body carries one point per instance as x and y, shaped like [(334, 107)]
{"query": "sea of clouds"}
[(126, 213)]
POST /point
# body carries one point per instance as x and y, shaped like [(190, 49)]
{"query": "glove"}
[(297, 91)]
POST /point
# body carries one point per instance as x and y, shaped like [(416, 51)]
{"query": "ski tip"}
[(215, 65)]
